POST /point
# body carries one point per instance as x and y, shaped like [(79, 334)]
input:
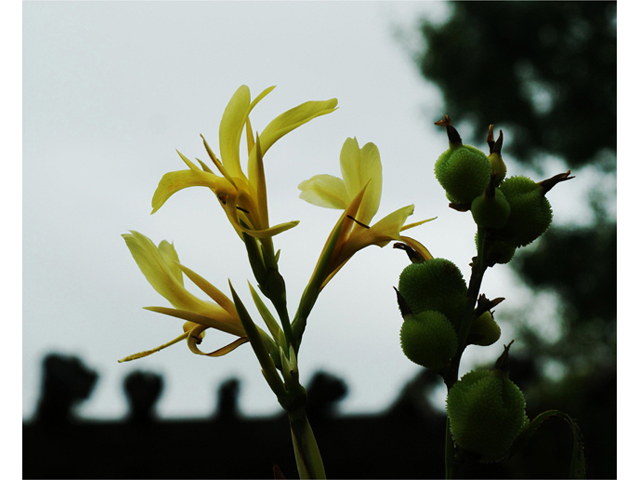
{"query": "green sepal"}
[(259, 348), (312, 290), (269, 320)]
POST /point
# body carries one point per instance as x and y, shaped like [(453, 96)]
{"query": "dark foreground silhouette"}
[(405, 441)]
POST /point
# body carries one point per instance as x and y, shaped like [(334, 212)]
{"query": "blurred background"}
[(111, 89)]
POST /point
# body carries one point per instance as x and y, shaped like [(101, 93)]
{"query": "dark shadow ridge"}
[(405, 441)]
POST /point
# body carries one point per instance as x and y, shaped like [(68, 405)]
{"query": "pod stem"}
[(478, 268)]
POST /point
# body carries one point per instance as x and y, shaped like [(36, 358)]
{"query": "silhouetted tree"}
[(545, 73)]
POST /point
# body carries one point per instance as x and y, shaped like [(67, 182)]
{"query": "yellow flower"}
[(243, 196), (160, 265), (358, 192)]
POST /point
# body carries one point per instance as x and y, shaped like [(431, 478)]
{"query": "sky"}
[(112, 89)]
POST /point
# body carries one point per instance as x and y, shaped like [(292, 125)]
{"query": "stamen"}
[(358, 222)]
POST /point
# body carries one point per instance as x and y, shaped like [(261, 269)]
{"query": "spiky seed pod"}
[(490, 211), (530, 213), (463, 170), (486, 413), (436, 284), (484, 330), (428, 339)]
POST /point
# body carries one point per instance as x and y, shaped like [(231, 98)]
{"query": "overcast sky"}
[(112, 89)]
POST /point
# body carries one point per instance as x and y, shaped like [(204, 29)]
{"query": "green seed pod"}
[(436, 284), (500, 252), (484, 330), (490, 211), (463, 170), (530, 211), (428, 339), (486, 413)]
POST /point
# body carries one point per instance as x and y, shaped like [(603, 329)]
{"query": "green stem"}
[(478, 269), (305, 447)]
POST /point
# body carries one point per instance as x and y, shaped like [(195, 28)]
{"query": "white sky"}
[(112, 89)]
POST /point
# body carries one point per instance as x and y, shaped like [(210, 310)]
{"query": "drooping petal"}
[(173, 182), (325, 191), (362, 166), (294, 118)]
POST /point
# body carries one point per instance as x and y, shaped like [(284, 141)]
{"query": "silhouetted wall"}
[(405, 441)]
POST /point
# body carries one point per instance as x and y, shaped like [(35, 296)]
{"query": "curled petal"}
[(325, 191), (193, 346)]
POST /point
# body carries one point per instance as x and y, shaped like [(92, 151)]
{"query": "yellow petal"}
[(269, 232), (417, 246), (170, 258), (379, 234), (215, 294), (359, 168), (231, 127), (389, 227), (294, 118), (158, 268), (193, 346), (173, 182), (325, 191), (219, 320)]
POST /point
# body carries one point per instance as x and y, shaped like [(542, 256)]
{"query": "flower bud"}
[(491, 209), (436, 284), (530, 213), (484, 330), (463, 170), (428, 339)]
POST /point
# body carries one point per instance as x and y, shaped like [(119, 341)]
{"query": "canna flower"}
[(160, 265), (242, 196), (358, 193)]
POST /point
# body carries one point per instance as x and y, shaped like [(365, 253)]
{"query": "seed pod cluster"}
[(435, 296)]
